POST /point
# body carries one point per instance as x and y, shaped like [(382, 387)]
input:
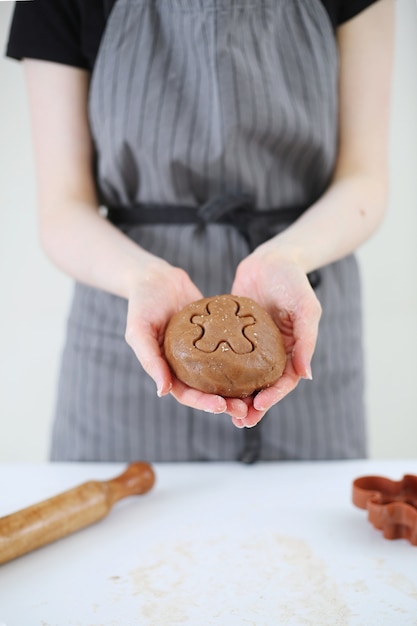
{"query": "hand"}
[(282, 288), (157, 292)]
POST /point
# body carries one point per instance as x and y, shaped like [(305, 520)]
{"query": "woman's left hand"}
[(283, 289)]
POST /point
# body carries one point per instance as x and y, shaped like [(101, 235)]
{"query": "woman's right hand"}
[(89, 248), (155, 295)]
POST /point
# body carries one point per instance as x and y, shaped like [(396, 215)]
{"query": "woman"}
[(237, 147)]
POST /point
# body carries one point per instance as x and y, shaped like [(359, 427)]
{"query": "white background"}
[(35, 296)]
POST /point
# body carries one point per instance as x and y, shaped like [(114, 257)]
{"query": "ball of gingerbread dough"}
[(227, 345)]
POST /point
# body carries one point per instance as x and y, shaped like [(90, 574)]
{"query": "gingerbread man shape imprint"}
[(223, 327), (226, 345)]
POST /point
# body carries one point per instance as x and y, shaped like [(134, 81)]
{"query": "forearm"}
[(346, 216), (351, 209), (84, 245), (73, 234)]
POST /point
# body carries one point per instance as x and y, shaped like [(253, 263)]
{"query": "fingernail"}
[(308, 374), (220, 408), (259, 407), (160, 392)]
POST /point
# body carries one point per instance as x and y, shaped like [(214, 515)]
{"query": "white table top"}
[(217, 543)]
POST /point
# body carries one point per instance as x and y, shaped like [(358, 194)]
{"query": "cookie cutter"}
[(391, 504)]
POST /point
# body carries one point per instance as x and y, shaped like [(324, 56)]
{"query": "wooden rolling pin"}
[(67, 512)]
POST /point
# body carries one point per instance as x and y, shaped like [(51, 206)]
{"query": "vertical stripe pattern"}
[(210, 97), (191, 99)]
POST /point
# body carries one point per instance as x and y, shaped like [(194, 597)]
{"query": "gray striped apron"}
[(192, 103)]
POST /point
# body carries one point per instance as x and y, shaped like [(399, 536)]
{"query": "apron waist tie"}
[(233, 209), (236, 210)]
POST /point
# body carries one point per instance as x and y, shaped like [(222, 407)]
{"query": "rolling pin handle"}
[(137, 479)]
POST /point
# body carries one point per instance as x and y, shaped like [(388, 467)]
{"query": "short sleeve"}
[(341, 11), (350, 8), (50, 30)]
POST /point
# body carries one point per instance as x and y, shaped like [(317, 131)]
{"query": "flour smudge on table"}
[(280, 580)]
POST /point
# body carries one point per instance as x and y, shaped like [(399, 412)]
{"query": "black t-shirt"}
[(69, 31)]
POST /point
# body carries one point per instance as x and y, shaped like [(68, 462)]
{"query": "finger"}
[(148, 352), (305, 330), (252, 418), (266, 398), (236, 407), (196, 399), (302, 354)]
